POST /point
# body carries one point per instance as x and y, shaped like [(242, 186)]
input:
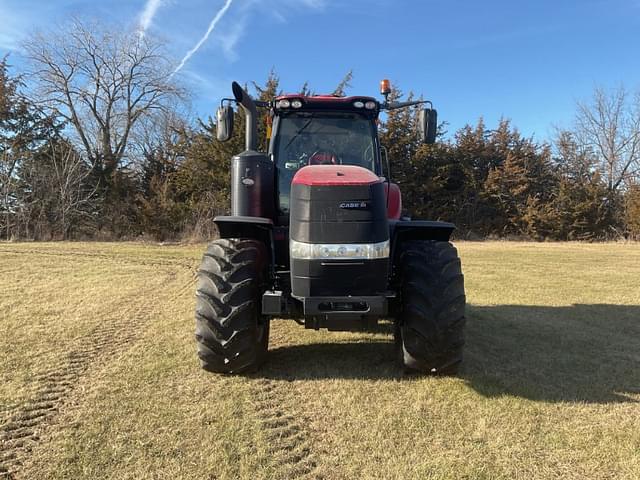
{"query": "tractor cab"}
[(321, 130)]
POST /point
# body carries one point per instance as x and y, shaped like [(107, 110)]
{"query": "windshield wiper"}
[(307, 123)]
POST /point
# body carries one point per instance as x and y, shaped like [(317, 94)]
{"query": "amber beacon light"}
[(385, 87)]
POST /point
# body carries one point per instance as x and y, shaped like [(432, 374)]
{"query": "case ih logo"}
[(354, 205)]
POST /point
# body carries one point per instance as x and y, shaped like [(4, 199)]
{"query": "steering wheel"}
[(324, 157), (368, 154)]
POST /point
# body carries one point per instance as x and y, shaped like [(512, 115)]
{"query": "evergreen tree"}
[(585, 206), (632, 211), (344, 84), (520, 186), (473, 151), (399, 137), (266, 93), (23, 129)]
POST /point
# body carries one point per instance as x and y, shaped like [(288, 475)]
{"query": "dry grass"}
[(99, 378)]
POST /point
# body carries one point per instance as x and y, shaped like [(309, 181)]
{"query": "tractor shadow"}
[(578, 353)]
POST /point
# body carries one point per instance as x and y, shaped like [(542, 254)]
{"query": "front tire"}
[(430, 322), (231, 333)]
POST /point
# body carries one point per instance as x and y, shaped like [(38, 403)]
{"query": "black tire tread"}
[(431, 314), (228, 306)]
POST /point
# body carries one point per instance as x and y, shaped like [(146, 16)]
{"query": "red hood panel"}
[(326, 175)]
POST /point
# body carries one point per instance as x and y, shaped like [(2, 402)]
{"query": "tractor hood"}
[(317, 175), (339, 233)]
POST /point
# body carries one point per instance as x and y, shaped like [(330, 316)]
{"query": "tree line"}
[(584, 185), (96, 142)]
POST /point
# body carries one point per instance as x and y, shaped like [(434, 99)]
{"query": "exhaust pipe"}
[(252, 175), (251, 115)]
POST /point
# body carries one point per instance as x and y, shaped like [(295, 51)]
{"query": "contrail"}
[(150, 9), (212, 25)]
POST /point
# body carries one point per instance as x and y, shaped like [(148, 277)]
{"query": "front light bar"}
[(337, 251)]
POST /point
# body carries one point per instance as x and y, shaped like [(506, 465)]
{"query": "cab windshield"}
[(319, 138)]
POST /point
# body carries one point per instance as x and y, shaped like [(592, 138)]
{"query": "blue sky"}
[(528, 61)]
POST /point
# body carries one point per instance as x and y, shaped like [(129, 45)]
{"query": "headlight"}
[(358, 104), (370, 105), (336, 251), (296, 103), (283, 103)]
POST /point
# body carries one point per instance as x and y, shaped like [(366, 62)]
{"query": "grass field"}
[(99, 378)]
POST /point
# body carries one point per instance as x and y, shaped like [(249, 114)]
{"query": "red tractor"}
[(316, 235)]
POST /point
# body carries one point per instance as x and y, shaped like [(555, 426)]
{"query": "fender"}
[(256, 228), (405, 230)]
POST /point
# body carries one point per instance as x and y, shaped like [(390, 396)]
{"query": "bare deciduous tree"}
[(102, 82), (610, 126), (57, 194), (73, 196)]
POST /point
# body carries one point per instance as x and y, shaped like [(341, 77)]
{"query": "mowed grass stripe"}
[(549, 387)]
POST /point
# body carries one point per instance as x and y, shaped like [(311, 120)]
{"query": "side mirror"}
[(224, 123), (428, 125)]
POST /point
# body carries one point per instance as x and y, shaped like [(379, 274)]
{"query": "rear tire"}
[(430, 321), (231, 333)]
